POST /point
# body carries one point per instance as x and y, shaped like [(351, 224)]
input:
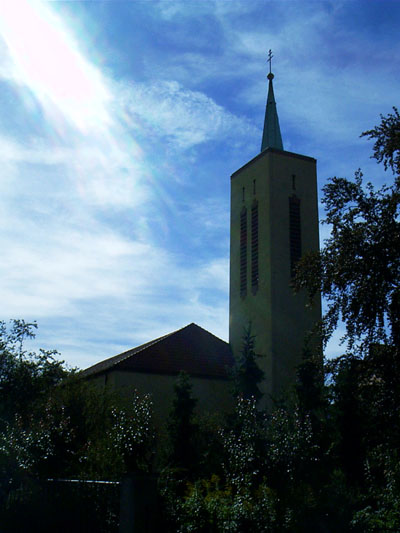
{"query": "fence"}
[(80, 506)]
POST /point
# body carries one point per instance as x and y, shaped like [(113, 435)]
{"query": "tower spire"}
[(272, 133)]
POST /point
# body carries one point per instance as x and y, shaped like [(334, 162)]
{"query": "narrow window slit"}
[(254, 247), (294, 232), (243, 252)]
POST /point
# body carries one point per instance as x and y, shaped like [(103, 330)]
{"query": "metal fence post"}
[(138, 504)]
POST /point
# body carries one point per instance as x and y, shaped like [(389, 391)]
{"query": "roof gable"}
[(191, 349)]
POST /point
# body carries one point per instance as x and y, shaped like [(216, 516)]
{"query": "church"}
[(274, 221)]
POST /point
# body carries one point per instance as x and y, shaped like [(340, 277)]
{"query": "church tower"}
[(274, 221)]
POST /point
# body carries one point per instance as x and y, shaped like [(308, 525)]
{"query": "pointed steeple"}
[(272, 133)]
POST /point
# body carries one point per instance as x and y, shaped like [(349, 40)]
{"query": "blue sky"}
[(120, 125)]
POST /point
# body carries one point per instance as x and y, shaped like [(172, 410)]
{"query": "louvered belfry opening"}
[(243, 252), (254, 247), (294, 232)]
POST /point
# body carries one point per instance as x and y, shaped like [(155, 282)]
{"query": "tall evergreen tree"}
[(182, 428), (246, 373)]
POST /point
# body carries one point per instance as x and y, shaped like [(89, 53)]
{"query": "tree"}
[(55, 424), (182, 428), (25, 377), (357, 270), (246, 374), (310, 385), (235, 499), (387, 143)]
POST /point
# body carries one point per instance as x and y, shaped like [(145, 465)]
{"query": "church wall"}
[(213, 394)]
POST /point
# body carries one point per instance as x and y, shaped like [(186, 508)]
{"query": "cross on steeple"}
[(269, 60)]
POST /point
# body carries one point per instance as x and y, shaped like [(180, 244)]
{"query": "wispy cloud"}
[(184, 117)]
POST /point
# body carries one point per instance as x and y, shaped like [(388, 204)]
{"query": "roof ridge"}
[(141, 347), (206, 330), (119, 358)]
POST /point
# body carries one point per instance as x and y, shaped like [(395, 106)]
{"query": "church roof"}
[(191, 349), (272, 133)]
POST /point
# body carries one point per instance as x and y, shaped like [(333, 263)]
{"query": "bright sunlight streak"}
[(44, 57)]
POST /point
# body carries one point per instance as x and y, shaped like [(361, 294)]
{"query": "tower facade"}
[(274, 221)]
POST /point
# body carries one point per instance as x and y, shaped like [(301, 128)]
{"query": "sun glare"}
[(45, 57)]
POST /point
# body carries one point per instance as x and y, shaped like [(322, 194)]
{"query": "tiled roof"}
[(192, 349)]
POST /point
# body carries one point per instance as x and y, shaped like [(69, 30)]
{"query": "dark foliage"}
[(358, 268), (55, 425), (182, 427), (246, 374), (25, 377), (387, 141)]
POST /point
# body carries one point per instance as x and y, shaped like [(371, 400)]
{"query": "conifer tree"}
[(246, 373), (182, 427)]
